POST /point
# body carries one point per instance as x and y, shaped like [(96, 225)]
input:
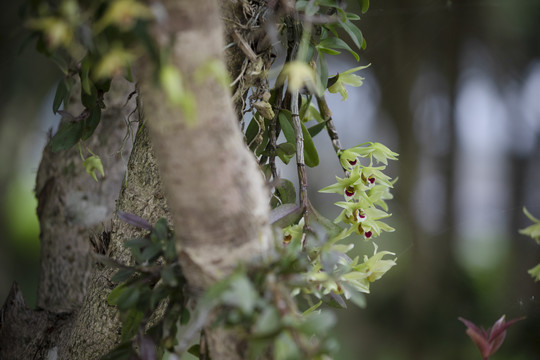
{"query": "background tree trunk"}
[(72, 209), (72, 206)]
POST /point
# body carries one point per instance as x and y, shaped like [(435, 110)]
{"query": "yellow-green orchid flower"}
[(93, 164), (346, 78)]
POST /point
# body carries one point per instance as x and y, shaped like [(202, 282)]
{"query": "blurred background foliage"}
[(454, 87)]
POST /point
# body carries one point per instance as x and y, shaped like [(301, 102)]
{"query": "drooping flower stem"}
[(301, 167), (326, 114)]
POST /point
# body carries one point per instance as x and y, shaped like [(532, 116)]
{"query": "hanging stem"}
[(330, 127), (301, 166), (274, 132)]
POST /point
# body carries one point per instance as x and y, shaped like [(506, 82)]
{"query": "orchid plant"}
[(306, 261)]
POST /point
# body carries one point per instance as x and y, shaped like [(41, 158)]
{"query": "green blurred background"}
[(454, 87)]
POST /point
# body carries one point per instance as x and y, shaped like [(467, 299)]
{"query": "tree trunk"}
[(217, 195), (213, 184), (73, 209), (216, 192)]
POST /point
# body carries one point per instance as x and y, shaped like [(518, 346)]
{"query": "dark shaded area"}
[(426, 55), (26, 79)]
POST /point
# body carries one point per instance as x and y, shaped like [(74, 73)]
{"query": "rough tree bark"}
[(216, 192), (72, 209), (217, 195), (213, 184)]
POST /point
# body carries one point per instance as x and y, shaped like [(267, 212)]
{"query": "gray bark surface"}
[(97, 326), (216, 192), (72, 209), (72, 206)]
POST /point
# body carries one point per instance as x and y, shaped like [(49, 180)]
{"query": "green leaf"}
[(305, 103), (287, 192), (286, 126), (332, 229), (354, 32), (128, 75), (252, 130), (329, 3), (335, 301), (89, 100), (356, 297), (328, 50), (257, 347), (334, 42), (160, 230), (317, 323), (315, 129), (352, 16), (115, 294), (137, 243), (122, 275), (67, 136), (342, 14), (131, 321), (103, 85), (128, 298), (285, 215), (285, 347), (365, 6), (158, 294), (91, 122), (69, 85), (185, 317), (215, 291), (286, 151), (169, 276), (530, 216), (195, 350), (268, 323), (85, 79), (332, 29), (60, 95), (150, 252), (312, 309), (535, 272), (301, 5), (170, 250), (310, 152), (121, 352), (322, 70), (241, 294)]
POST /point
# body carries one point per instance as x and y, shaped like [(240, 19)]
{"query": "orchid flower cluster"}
[(365, 189), (533, 231)]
